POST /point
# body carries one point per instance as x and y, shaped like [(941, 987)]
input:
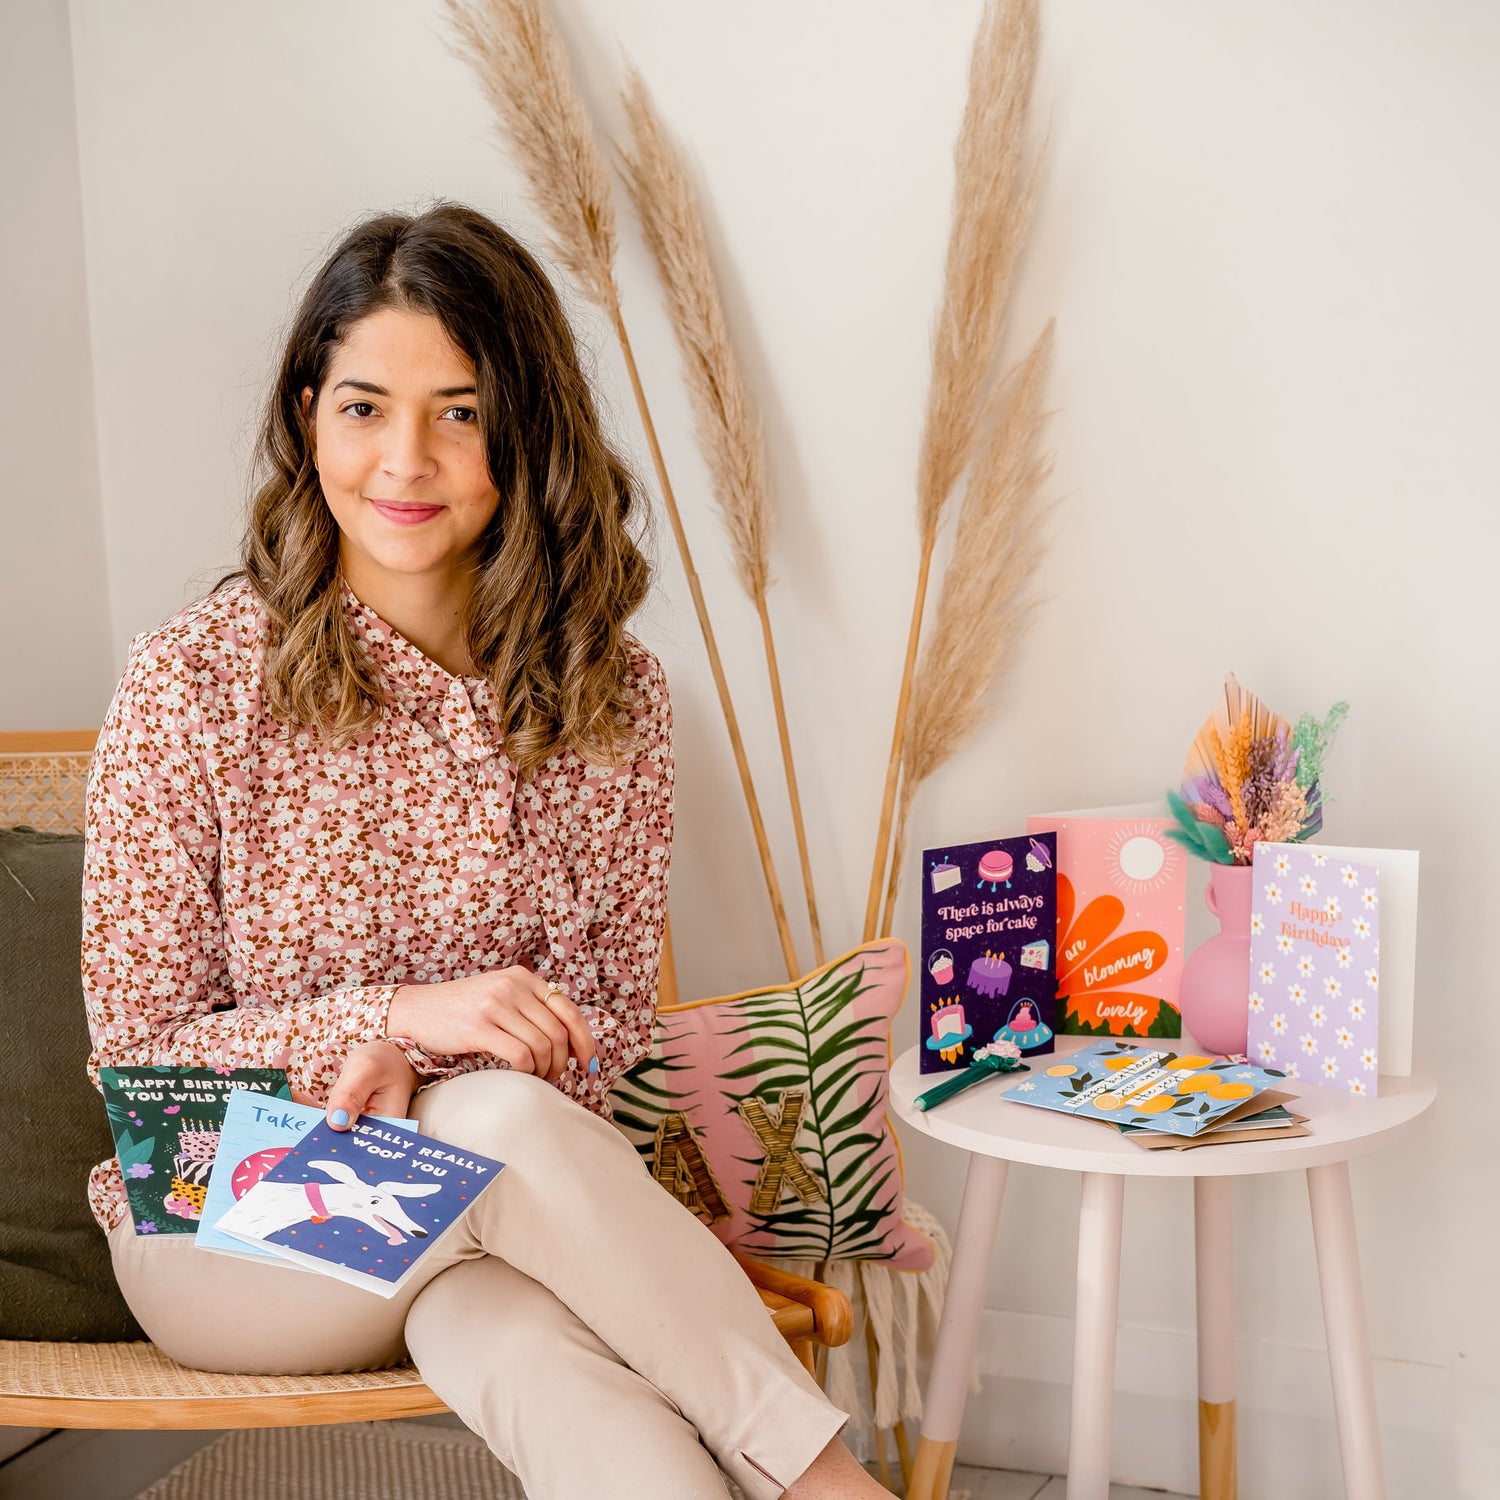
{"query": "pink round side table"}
[(995, 1133)]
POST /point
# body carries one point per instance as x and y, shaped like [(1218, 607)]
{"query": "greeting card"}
[(989, 926), (1121, 899), (1163, 1091), (361, 1204), (166, 1121), (257, 1132), (1315, 967)]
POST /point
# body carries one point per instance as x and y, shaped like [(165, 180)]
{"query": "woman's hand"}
[(376, 1079), (506, 1012)]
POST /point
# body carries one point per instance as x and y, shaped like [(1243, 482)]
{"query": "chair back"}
[(43, 777)]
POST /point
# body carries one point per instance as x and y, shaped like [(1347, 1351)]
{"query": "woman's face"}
[(399, 452)]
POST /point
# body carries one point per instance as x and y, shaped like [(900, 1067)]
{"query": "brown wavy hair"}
[(558, 575)]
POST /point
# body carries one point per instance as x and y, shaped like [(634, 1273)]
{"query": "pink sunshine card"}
[(1315, 967), (1121, 894)]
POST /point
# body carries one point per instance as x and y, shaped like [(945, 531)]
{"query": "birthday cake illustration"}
[(989, 975), (1025, 1027), (949, 1031), (197, 1145)]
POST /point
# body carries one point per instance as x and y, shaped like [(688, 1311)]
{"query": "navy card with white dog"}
[(361, 1204)]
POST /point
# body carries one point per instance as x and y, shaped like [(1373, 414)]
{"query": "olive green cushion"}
[(56, 1281)]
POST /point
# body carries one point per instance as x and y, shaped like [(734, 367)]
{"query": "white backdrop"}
[(1267, 236)]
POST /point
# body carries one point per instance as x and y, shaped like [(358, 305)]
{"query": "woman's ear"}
[(307, 401)]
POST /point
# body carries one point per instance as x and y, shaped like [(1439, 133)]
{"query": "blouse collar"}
[(421, 687)]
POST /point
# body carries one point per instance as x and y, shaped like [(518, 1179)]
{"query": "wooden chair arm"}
[(833, 1318)]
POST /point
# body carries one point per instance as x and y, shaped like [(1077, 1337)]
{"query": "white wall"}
[(1266, 233), (56, 668)]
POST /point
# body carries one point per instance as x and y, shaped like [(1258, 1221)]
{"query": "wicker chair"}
[(134, 1385)]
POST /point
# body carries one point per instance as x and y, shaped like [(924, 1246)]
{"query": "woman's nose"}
[(409, 453)]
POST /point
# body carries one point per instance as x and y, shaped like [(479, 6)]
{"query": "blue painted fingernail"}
[(341, 1117), (593, 1065)]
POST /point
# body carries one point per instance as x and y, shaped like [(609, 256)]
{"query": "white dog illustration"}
[(269, 1206)]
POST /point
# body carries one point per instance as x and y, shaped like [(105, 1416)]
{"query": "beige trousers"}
[(581, 1320)]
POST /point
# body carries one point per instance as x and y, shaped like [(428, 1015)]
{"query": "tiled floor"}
[(119, 1465)]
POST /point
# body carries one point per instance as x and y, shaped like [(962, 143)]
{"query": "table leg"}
[(948, 1384), (1344, 1319), (1213, 1226), (1098, 1305)]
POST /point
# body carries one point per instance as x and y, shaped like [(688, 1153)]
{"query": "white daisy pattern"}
[(1273, 894), (1370, 897), (1368, 1060), (217, 843), (1292, 1068), (1324, 1004), (1267, 973), (1329, 1068), (1257, 924), (1266, 1053), (1257, 1002), (1357, 1086)]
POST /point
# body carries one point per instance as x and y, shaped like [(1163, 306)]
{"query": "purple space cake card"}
[(989, 920)]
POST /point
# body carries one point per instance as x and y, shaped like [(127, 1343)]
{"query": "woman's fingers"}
[(561, 1005), (376, 1079), (546, 1021), (525, 1046)]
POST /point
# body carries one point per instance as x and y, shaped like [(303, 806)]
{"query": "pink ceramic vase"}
[(1215, 992)]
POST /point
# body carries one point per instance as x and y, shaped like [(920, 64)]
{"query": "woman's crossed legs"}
[(579, 1318)]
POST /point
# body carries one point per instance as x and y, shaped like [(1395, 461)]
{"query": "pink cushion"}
[(712, 1109)]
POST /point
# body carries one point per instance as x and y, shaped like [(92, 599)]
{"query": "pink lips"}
[(404, 514)]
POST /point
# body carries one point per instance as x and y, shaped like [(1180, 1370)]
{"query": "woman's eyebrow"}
[(380, 390)]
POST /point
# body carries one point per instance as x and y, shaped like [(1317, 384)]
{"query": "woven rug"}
[(353, 1461), (368, 1460)]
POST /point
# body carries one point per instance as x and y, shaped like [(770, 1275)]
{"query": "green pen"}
[(988, 1061)]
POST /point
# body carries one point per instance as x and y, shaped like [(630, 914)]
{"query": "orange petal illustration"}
[(1126, 960), (1098, 919)]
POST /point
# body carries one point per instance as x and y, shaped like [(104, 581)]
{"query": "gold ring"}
[(553, 989)]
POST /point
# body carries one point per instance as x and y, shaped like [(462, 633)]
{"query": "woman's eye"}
[(471, 416), (350, 408)]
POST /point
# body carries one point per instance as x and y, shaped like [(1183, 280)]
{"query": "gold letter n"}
[(782, 1164)]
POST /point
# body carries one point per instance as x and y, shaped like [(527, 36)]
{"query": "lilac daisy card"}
[(1315, 967)]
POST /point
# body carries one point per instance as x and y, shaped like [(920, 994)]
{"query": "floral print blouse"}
[(254, 899)]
